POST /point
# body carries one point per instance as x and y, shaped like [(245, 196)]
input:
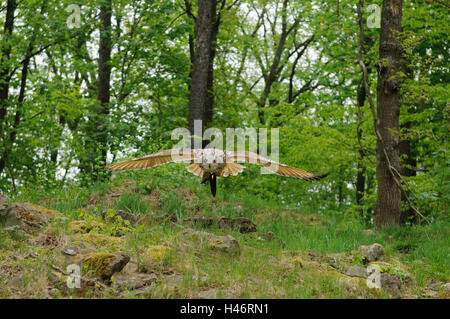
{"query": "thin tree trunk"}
[(104, 77), (97, 130), (204, 26), (361, 174)]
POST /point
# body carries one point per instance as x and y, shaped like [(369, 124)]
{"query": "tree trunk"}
[(97, 129), (408, 164), (361, 174), (5, 67), (204, 26), (104, 78), (209, 105), (388, 206)]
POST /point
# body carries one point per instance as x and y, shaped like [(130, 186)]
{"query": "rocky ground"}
[(116, 254)]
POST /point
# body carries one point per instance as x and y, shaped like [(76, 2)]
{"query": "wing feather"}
[(273, 166), (155, 159)]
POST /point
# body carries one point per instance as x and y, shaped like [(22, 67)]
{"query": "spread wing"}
[(155, 159), (277, 168)]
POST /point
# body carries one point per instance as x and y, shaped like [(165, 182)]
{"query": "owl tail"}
[(212, 183)]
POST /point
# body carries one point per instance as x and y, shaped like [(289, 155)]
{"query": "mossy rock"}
[(99, 240), (50, 213), (97, 263), (27, 215), (104, 265)]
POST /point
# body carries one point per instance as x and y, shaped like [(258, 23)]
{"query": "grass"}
[(263, 270)]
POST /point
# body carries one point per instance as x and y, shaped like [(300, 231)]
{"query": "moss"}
[(297, 261), (357, 258), (158, 253), (99, 240), (391, 270), (48, 212), (97, 263), (82, 226), (156, 257)]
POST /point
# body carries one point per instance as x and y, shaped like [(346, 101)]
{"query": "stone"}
[(372, 252), (391, 284), (123, 281), (244, 225), (357, 271), (227, 244), (26, 215), (104, 265), (446, 286), (3, 203), (71, 251)]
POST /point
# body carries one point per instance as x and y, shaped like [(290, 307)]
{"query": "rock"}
[(26, 215), (391, 284), (446, 286), (430, 293), (3, 204), (71, 251), (368, 232), (227, 244), (244, 225), (372, 252), (111, 214), (104, 265), (133, 281), (215, 293), (357, 271)]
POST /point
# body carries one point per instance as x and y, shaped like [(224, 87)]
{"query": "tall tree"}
[(388, 205), (5, 77), (204, 37), (99, 114)]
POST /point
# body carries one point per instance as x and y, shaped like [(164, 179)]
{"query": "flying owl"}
[(210, 163)]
